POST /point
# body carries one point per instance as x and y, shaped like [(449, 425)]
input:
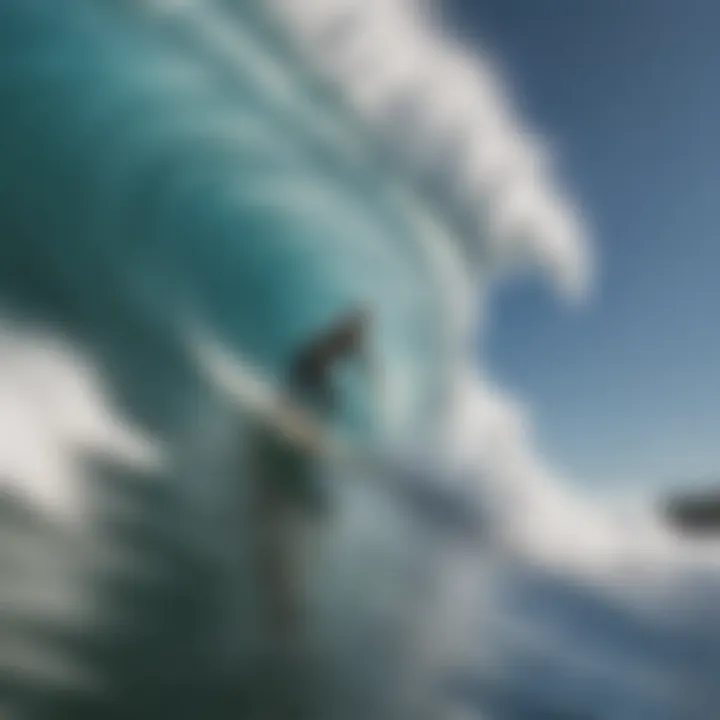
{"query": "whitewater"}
[(252, 170)]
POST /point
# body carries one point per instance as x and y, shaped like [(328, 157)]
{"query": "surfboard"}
[(254, 394)]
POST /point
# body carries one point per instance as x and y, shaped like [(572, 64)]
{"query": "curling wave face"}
[(161, 172)]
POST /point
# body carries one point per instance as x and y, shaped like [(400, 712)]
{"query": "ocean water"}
[(156, 181), (169, 167)]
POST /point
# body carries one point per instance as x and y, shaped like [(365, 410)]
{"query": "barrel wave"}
[(169, 168)]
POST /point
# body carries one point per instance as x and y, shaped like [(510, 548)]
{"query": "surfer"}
[(289, 501)]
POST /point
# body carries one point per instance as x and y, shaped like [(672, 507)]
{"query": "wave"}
[(258, 169)]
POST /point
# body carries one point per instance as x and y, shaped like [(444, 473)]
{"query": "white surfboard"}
[(255, 394)]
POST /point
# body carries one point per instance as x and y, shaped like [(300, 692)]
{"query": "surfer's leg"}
[(280, 578), (290, 611)]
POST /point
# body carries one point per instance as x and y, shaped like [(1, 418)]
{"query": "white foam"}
[(459, 120)]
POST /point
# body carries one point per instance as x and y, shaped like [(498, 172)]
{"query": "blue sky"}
[(626, 390)]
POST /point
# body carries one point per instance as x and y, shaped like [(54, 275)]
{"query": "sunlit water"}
[(173, 166)]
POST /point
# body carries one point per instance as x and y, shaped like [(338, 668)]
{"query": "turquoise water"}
[(159, 174), (150, 171)]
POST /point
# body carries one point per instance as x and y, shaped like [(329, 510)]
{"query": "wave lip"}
[(447, 117)]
